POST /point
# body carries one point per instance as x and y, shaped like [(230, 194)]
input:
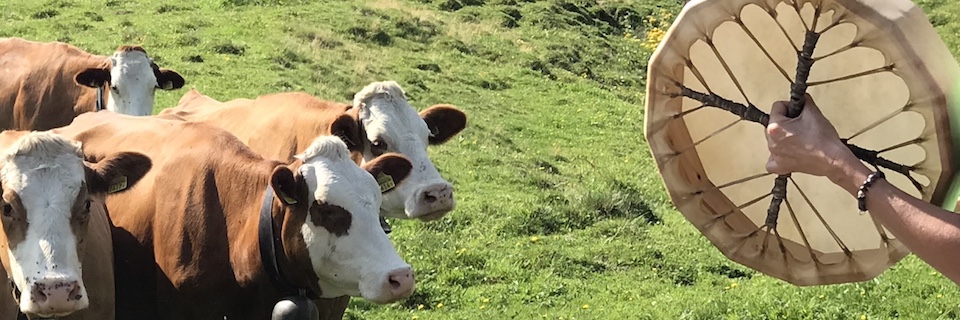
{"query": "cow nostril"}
[(38, 295), (75, 293), (429, 198), (394, 283)]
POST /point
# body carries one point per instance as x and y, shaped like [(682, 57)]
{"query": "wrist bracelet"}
[(862, 194)]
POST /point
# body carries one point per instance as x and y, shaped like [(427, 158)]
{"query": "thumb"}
[(774, 167), (778, 112)]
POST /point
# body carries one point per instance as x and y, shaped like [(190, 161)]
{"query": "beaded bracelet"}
[(862, 194)]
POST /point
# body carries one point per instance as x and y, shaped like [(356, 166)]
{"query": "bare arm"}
[(810, 144)]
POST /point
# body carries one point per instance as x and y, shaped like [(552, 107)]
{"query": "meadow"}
[(561, 212)]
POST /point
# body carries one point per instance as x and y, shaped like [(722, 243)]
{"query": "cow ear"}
[(444, 122), (389, 169), (93, 77), (117, 173), (169, 80), (345, 127), (285, 185)]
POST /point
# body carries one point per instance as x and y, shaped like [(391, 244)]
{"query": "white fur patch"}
[(132, 76), (388, 117), (46, 172), (357, 262)]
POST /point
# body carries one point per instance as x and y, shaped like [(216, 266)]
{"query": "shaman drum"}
[(880, 73)]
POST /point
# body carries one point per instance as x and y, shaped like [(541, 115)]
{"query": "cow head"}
[(46, 202), (348, 251), (392, 125), (133, 79)]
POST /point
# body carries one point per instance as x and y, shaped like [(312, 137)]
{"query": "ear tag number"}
[(118, 184), (386, 182)]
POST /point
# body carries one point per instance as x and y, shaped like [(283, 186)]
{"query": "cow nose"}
[(400, 283), (56, 295), (437, 194)]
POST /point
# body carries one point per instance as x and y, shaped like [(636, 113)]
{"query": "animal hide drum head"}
[(880, 73)]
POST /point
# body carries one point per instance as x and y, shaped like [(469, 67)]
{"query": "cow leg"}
[(332, 308)]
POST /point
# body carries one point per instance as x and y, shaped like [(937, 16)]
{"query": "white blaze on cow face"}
[(348, 249), (133, 83), (392, 125), (43, 180)]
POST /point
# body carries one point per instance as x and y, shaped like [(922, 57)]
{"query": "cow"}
[(55, 237), (280, 125), (186, 243), (380, 120), (46, 84)]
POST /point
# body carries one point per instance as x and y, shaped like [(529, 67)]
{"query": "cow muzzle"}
[(55, 296), (395, 285), (433, 202)]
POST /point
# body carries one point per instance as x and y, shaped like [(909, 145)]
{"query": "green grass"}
[(561, 214)]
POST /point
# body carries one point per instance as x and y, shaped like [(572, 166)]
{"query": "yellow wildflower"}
[(440, 305), (654, 36), (420, 307), (486, 300), (585, 307), (534, 239)]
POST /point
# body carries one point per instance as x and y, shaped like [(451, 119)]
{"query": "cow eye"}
[(114, 89), (7, 210), (86, 206), (378, 147)]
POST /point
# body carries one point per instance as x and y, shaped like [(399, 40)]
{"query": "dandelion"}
[(440, 305), (420, 307), (486, 300), (734, 285), (939, 295), (534, 239), (654, 36), (585, 307), (863, 317)]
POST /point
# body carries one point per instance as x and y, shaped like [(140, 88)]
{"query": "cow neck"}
[(269, 243), (358, 158)]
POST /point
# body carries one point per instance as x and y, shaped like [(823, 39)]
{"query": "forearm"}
[(933, 234)]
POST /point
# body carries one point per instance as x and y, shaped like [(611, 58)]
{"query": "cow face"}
[(392, 125), (133, 79), (347, 248), (46, 202)]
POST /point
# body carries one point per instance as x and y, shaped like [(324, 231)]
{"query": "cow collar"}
[(100, 103), (268, 242)]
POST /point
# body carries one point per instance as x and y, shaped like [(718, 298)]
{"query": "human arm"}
[(810, 144)]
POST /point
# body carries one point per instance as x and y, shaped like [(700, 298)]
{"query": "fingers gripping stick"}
[(798, 91)]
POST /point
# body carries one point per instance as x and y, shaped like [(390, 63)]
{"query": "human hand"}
[(807, 143)]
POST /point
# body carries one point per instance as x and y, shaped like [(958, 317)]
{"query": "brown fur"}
[(202, 208), (281, 125), (130, 48), (39, 90)]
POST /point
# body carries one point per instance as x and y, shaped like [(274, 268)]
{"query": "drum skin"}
[(881, 75)]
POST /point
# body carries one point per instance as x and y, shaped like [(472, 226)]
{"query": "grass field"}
[(561, 213)]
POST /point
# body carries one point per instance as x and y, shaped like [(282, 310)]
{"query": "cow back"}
[(276, 126), (38, 91)]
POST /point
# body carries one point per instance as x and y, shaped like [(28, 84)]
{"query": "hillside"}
[(561, 212)]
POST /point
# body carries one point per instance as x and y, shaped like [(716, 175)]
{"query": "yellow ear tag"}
[(287, 199), (386, 182), (118, 184)]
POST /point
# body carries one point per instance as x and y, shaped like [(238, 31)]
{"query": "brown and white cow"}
[(55, 241), (187, 240), (45, 85), (281, 125)]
